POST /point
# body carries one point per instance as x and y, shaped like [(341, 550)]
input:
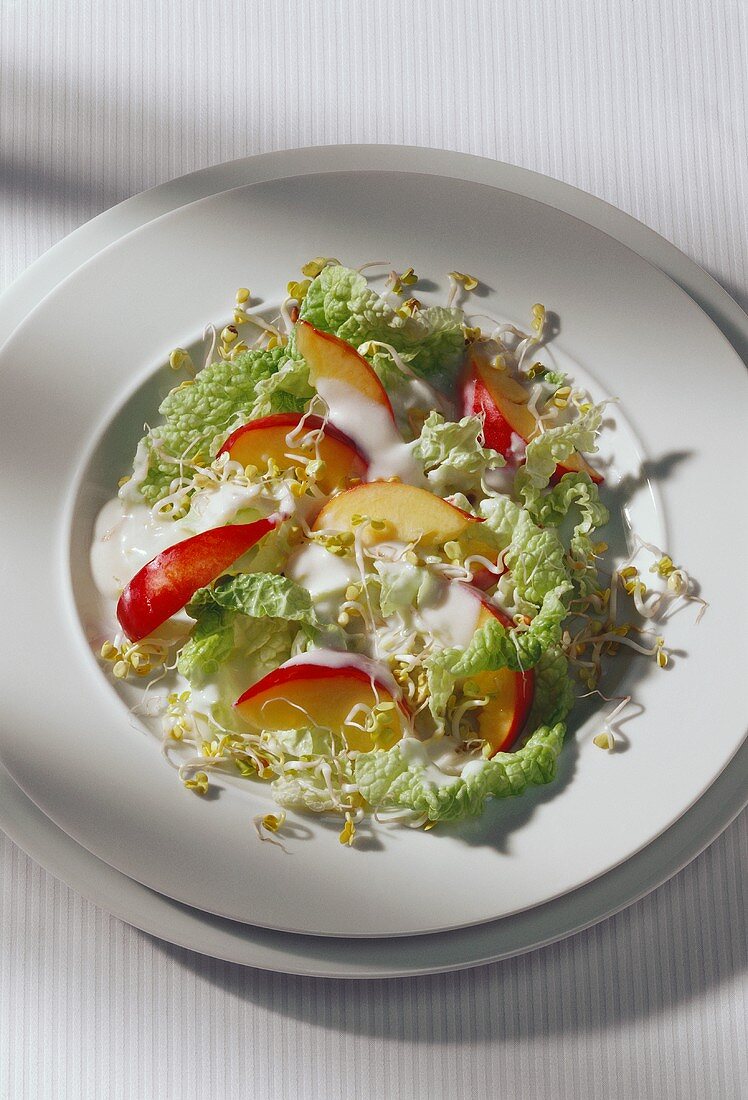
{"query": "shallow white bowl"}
[(67, 737)]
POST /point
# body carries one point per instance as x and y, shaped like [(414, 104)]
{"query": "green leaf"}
[(340, 301), (554, 691), (198, 418), (303, 743), (575, 494), (535, 560), (259, 595), (553, 445), (288, 390), (502, 515), (402, 586), (534, 556), (391, 780), (233, 651), (453, 456), (246, 626), (306, 791), (245, 619), (209, 644), (573, 490)]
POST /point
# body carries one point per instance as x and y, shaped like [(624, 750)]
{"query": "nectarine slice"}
[(307, 694), (329, 357), (265, 440), (168, 582), (502, 403), (410, 514), (502, 719)]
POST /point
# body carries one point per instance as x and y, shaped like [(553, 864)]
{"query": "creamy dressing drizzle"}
[(128, 534), (452, 616), (335, 658), (371, 428), (323, 574), (418, 754)]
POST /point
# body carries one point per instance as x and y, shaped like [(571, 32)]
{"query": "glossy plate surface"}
[(70, 742)]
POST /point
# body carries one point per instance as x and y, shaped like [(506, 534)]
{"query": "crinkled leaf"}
[(534, 556), (259, 595), (389, 780), (209, 644), (340, 301), (535, 560), (573, 490), (453, 456), (403, 586), (575, 494), (288, 390), (501, 514), (271, 602), (198, 418), (303, 743), (547, 450), (305, 791), (233, 650), (554, 691)]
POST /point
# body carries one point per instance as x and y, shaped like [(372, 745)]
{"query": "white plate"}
[(203, 932), (401, 956), (49, 744)]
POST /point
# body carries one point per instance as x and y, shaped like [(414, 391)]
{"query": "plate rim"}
[(709, 286), (248, 945)]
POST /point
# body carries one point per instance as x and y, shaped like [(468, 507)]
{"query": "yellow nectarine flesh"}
[(329, 357), (266, 440), (315, 695)]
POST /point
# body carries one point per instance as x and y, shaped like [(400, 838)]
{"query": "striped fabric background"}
[(642, 104)]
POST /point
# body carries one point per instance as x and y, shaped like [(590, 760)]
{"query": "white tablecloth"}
[(642, 104)]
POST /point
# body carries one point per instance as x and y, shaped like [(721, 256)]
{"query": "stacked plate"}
[(86, 333)]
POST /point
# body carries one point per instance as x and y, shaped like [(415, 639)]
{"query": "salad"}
[(358, 560)]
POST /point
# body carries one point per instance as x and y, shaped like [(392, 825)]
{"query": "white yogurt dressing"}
[(435, 755), (417, 754), (324, 575), (130, 491), (371, 428), (518, 447), (501, 480), (335, 658), (127, 534), (216, 507), (451, 616), (207, 696)]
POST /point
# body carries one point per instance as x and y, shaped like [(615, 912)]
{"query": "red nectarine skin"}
[(167, 583), (322, 694), (523, 686), (477, 401), (279, 677)]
